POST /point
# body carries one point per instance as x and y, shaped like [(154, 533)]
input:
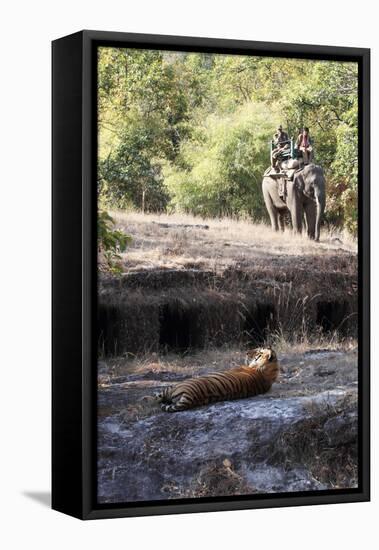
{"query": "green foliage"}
[(143, 115), (131, 175), (111, 242), (327, 101), (223, 169), (190, 131)]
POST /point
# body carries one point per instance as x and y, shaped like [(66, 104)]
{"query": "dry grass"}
[(174, 241), (189, 365), (213, 480), (232, 283), (217, 359), (307, 343), (307, 444)]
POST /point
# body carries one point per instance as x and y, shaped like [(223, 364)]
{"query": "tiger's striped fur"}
[(256, 377)]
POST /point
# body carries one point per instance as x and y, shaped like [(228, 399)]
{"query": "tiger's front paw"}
[(169, 408)]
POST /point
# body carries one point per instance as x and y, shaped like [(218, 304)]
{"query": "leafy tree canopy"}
[(190, 131)]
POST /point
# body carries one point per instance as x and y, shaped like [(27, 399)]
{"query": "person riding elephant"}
[(281, 143), (304, 146)]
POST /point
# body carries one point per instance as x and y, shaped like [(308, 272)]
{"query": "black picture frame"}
[(74, 295)]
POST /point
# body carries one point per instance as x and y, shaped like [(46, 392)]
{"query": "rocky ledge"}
[(300, 436)]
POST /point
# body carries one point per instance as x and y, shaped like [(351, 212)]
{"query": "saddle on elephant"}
[(287, 171)]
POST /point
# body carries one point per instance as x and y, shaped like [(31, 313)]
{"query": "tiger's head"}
[(260, 356), (264, 360)]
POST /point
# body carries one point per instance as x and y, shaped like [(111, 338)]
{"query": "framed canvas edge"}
[(66, 421), (225, 45), (89, 507)]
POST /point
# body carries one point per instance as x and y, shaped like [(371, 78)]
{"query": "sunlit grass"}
[(181, 240)]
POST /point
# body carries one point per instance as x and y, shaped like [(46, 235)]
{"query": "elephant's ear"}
[(299, 182)]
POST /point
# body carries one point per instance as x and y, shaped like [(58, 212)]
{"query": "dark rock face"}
[(300, 436), (151, 310)]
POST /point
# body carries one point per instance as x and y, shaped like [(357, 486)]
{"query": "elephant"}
[(305, 198)]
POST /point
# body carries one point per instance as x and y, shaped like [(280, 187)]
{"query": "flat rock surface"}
[(302, 435)]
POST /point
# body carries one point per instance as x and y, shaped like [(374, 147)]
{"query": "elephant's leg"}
[(310, 218), (271, 209), (288, 219), (274, 220), (305, 223), (297, 220), (296, 208), (282, 220)]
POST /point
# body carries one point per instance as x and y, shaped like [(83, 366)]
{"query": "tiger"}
[(260, 371)]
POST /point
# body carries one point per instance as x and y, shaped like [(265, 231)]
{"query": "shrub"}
[(220, 173), (111, 242)]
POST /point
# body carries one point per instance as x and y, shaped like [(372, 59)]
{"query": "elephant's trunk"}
[(320, 207)]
